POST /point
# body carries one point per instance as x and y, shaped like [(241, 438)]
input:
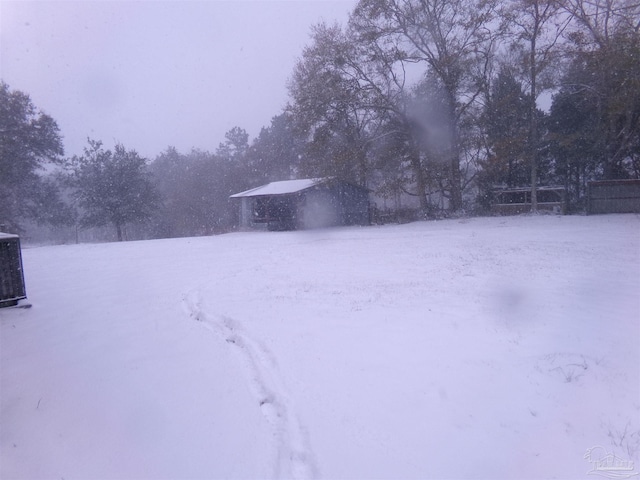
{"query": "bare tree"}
[(332, 106), (537, 26), (454, 39), (597, 21)]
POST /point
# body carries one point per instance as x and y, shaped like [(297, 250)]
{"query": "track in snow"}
[(295, 458)]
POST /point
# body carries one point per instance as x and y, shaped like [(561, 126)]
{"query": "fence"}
[(514, 201)]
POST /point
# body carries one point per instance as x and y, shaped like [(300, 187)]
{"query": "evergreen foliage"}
[(112, 187), (29, 141)]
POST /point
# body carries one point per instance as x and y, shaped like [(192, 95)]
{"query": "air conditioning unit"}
[(11, 276)]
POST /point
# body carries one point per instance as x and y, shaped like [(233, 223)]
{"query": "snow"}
[(281, 188), (474, 348)]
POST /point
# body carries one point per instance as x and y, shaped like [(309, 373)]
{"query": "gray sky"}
[(150, 74)]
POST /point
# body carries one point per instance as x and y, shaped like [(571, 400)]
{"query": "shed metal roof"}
[(281, 188), (539, 188)]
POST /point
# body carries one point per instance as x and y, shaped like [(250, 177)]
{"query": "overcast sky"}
[(150, 74)]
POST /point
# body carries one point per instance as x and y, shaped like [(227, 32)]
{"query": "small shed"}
[(12, 286), (613, 196), (304, 204), (514, 201)]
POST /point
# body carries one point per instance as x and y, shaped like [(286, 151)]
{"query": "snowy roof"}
[(281, 188), (7, 235)]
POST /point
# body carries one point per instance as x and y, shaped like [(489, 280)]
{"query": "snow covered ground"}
[(476, 348)]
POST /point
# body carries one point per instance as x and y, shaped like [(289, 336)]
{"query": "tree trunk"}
[(456, 184), (455, 199), (533, 128), (363, 170), (534, 181), (119, 231), (567, 179), (421, 183)]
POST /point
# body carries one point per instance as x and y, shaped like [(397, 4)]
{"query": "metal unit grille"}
[(11, 277)]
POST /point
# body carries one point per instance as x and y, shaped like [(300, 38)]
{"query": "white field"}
[(479, 348)]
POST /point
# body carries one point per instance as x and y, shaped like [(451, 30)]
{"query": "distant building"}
[(304, 204), (613, 196)]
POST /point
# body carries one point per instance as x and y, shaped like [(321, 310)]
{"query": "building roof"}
[(630, 181), (281, 188)]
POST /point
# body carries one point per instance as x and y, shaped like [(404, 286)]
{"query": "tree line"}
[(437, 100), (441, 99)]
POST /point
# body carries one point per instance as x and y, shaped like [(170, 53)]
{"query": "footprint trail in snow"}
[(295, 458)]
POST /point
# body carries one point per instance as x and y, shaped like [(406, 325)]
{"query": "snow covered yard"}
[(479, 348)]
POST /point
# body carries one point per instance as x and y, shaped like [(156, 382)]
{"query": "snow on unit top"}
[(7, 235), (281, 188)]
